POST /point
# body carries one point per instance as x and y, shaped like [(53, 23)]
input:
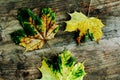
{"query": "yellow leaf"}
[(46, 71), (83, 24), (32, 44), (72, 24)]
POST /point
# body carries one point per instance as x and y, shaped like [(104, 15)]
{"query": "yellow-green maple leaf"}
[(88, 26), (62, 67)]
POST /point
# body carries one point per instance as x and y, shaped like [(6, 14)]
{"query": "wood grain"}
[(102, 60)]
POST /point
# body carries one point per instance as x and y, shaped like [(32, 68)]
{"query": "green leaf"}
[(67, 58), (52, 16), (77, 72), (56, 30), (37, 29), (55, 63), (67, 67), (29, 29), (18, 35), (45, 69), (46, 11)]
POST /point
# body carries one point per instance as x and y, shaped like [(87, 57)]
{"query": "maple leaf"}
[(62, 67), (88, 27), (36, 30)]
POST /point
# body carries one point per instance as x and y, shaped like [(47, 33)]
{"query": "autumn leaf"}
[(62, 67), (36, 29), (88, 27)]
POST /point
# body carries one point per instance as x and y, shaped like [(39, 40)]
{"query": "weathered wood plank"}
[(102, 60)]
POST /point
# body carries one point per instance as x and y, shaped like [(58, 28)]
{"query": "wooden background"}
[(102, 60)]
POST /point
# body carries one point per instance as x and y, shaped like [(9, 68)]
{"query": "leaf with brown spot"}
[(36, 29)]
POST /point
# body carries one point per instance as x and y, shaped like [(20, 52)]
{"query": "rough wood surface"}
[(102, 60)]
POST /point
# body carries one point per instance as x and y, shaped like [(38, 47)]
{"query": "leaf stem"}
[(53, 51), (89, 8)]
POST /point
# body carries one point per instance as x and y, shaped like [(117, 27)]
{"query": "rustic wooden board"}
[(102, 60)]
